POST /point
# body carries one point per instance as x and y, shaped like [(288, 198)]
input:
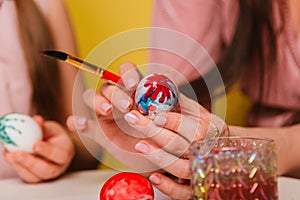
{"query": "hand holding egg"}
[(35, 160), (19, 132)]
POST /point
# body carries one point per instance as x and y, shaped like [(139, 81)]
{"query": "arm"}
[(287, 142), (52, 156), (64, 40)]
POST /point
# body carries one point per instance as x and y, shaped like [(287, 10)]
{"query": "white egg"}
[(19, 132)]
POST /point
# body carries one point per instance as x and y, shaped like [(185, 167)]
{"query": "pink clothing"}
[(15, 87), (211, 24)]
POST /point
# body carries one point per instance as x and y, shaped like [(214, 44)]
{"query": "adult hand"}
[(167, 139), (51, 157), (169, 147), (163, 141), (110, 129)]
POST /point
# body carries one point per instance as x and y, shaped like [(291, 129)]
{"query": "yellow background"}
[(95, 21)]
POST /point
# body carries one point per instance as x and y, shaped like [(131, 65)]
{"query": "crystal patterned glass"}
[(234, 168)]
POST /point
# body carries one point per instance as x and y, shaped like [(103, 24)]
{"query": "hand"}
[(51, 157), (110, 129), (169, 148), (166, 138)]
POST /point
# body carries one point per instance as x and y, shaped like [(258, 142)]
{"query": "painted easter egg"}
[(19, 132), (127, 185), (156, 93)]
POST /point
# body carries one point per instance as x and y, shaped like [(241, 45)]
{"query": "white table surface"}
[(86, 185), (83, 185)]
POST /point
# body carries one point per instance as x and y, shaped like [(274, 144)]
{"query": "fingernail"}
[(124, 103), (154, 179), (80, 123), (105, 107), (130, 82), (142, 147), (130, 118), (160, 120)]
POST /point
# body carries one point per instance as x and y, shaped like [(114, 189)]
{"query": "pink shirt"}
[(15, 87), (211, 23)]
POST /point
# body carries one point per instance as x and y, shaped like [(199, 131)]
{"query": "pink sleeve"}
[(198, 37)]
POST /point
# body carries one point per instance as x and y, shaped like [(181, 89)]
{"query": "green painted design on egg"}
[(4, 137)]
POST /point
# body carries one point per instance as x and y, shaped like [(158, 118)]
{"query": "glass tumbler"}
[(234, 168)]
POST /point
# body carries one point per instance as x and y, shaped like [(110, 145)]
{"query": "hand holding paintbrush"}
[(155, 93)]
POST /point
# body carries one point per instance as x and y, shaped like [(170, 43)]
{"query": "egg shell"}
[(127, 185), (19, 132), (156, 93)]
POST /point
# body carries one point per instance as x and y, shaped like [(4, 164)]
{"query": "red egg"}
[(127, 186)]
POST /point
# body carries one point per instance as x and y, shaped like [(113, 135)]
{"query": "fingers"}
[(39, 119), (130, 75), (190, 128), (119, 98), (57, 140), (190, 107), (170, 187), (97, 102), (105, 133), (23, 173), (112, 95), (170, 163), (33, 169), (52, 129), (115, 141), (50, 159), (53, 152), (76, 123), (168, 140)]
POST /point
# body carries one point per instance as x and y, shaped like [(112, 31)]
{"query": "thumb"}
[(39, 119), (52, 129)]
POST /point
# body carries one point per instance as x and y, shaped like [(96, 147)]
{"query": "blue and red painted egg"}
[(156, 93)]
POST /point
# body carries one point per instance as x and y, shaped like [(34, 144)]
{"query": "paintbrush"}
[(86, 66)]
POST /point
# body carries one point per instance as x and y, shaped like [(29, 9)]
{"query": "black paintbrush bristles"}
[(56, 54)]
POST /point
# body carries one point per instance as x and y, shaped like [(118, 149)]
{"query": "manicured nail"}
[(154, 179), (80, 123), (142, 147), (160, 120), (105, 107), (124, 103), (130, 82), (130, 118)]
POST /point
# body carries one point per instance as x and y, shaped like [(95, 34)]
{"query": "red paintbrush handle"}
[(112, 77)]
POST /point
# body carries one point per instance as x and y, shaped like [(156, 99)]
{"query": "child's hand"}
[(51, 157)]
